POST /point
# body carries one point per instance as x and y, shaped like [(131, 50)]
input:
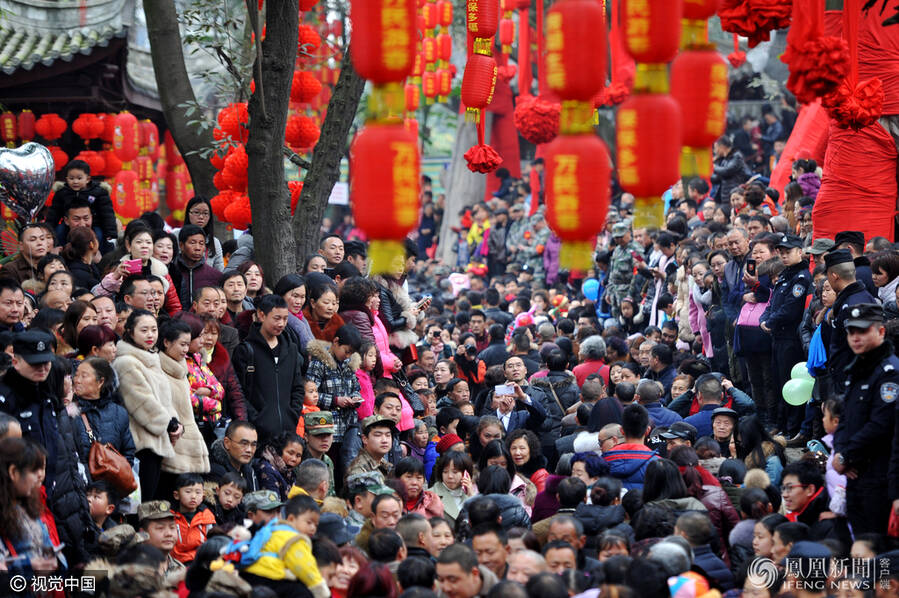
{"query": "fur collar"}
[(330, 329), (321, 350), (175, 369), (146, 358)]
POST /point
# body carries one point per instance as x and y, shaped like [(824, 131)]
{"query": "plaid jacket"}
[(334, 380)]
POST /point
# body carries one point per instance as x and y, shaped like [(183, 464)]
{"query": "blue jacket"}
[(109, 423), (661, 417), (702, 421), (628, 462)]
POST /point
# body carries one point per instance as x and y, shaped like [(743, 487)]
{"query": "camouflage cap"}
[(372, 481), (154, 509), (119, 538), (261, 500), (319, 422), (377, 420), (619, 229)]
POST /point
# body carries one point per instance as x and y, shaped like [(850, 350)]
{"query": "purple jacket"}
[(809, 182), (551, 259)]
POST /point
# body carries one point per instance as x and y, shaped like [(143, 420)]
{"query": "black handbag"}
[(418, 407)]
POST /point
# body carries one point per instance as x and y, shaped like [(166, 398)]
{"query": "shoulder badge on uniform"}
[(798, 290), (889, 391)]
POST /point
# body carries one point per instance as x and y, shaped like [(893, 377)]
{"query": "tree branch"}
[(296, 158)]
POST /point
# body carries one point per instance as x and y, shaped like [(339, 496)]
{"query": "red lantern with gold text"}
[(412, 97), (649, 157), (444, 83), (699, 85), (8, 124), (507, 35), (429, 85), (578, 170), (176, 189), (647, 131), (385, 163), (429, 14), (479, 79), (26, 125), (444, 46), (126, 137), (124, 194), (444, 13), (172, 155), (144, 168), (575, 49), (149, 138), (384, 47)]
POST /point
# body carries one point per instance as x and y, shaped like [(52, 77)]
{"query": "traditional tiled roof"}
[(24, 49)]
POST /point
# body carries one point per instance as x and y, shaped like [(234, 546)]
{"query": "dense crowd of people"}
[(175, 419)]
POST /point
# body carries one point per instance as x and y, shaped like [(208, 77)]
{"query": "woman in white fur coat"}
[(146, 394)]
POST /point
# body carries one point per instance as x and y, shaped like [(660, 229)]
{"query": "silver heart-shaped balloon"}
[(26, 177)]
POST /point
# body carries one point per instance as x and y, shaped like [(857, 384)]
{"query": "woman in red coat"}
[(219, 362)]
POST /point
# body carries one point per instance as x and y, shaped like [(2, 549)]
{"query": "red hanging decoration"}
[(60, 158), (301, 132), (124, 194), (50, 126), (537, 119), (144, 168), (296, 188), (385, 163), (176, 189), (87, 126), (238, 213), (444, 83), (234, 175), (308, 41), (220, 202), (413, 97), (26, 125), (479, 79), (306, 5), (429, 85), (305, 87), (126, 138), (737, 58), (234, 121), (754, 19), (818, 63), (172, 154), (699, 85), (8, 124), (384, 39), (113, 164), (575, 49)]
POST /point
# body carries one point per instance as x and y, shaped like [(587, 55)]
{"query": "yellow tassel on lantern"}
[(473, 115), (651, 78), (649, 212), (386, 256), (576, 255), (575, 118), (696, 161), (386, 101), (482, 45)]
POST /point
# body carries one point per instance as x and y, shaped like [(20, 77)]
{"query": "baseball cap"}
[(680, 430), (820, 246), (864, 315), (319, 422), (154, 509), (333, 527), (34, 346), (261, 500), (377, 420), (725, 411)]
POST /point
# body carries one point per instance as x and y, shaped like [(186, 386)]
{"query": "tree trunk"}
[(273, 242), (465, 188), (175, 89), (325, 168)]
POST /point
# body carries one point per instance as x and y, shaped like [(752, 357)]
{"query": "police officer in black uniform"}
[(841, 275), (781, 320), (863, 439)]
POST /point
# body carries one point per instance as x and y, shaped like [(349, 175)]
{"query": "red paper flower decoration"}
[(856, 108), (309, 40), (301, 132), (234, 120), (612, 95), (537, 119), (506, 73), (755, 19), (221, 201), (305, 87), (482, 158), (238, 213), (60, 158), (296, 187), (737, 58), (817, 67)]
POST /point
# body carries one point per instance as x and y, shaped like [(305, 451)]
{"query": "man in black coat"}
[(495, 353), (854, 241), (841, 276), (269, 368), (28, 395), (729, 169)]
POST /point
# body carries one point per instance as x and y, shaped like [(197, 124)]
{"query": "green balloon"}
[(800, 372), (798, 392)]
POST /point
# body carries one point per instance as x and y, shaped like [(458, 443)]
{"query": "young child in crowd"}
[(332, 367), (226, 507), (289, 551), (79, 185), (102, 500), (310, 405), (193, 518), (366, 374), (421, 447), (836, 482)]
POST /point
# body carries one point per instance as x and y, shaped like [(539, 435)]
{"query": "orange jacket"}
[(301, 423), (192, 535)]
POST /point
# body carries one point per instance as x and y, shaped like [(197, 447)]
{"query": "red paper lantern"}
[(50, 126), (176, 189), (305, 87), (8, 124), (26, 125), (647, 131), (429, 85), (234, 120), (235, 172), (239, 213), (578, 171), (507, 35), (296, 188), (94, 161), (650, 30), (384, 39), (124, 194), (220, 202), (429, 15), (60, 158), (385, 163), (576, 49), (88, 126), (445, 13), (144, 168), (108, 121), (700, 10), (307, 5), (172, 155), (444, 82), (413, 97), (478, 81), (429, 50), (301, 132), (482, 18), (699, 85), (113, 164), (308, 40), (126, 138), (149, 138), (444, 46)]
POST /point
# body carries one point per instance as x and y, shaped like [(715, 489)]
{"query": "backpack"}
[(245, 553)]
